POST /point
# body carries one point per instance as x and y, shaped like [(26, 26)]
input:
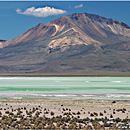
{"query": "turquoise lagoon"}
[(117, 88)]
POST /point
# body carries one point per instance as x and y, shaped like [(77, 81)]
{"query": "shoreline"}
[(69, 102), (97, 74)]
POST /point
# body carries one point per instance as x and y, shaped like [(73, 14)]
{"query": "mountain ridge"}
[(61, 19), (75, 43)]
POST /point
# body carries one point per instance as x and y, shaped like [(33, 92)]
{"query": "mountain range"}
[(77, 43)]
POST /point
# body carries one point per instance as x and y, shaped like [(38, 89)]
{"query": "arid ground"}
[(64, 114)]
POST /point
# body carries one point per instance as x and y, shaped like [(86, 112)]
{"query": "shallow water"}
[(65, 87)]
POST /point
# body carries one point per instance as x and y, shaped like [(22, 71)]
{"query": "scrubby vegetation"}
[(36, 118)]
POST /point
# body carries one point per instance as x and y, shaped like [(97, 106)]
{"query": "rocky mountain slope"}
[(78, 43)]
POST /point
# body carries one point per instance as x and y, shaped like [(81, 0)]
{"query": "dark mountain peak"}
[(2, 40), (79, 17), (125, 25), (91, 16), (60, 21), (107, 20), (98, 18)]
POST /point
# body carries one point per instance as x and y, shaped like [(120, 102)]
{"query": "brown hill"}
[(78, 43)]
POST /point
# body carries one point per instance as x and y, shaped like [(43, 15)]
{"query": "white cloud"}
[(79, 6), (41, 12)]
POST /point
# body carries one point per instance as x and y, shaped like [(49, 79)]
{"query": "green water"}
[(65, 87)]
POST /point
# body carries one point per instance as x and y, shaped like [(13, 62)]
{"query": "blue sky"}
[(17, 17)]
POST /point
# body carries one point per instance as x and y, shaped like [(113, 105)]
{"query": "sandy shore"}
[(75, 109)]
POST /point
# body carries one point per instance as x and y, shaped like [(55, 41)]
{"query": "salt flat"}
[(65, 87)]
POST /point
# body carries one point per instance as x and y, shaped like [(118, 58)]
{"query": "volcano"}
[(77, 43)]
